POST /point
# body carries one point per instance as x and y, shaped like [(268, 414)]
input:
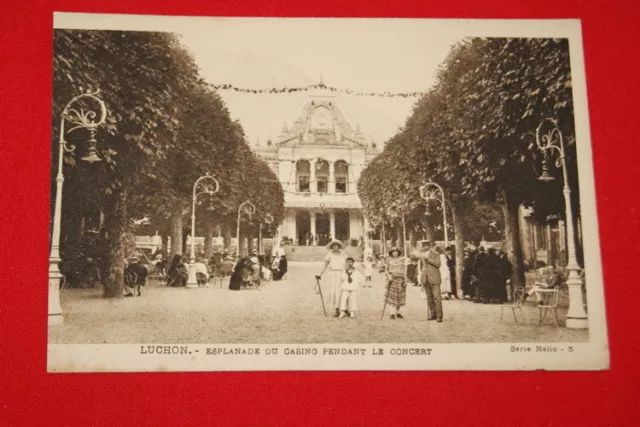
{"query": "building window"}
[(341, 184), (322, 184), (303, 184)]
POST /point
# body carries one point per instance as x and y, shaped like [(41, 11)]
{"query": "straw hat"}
[(395, 249), (335, 242)]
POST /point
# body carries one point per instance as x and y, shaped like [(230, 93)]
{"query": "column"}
[(312, 228), (332, 178), (313, 185), (293, 226), (332, 224)]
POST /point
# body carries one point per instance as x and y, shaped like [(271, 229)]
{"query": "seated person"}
[(551, 280), (160, 265), (266, 273), (177, 274), (255, 267), (226, 268), (202, 273), (235, 282), (135, 276)]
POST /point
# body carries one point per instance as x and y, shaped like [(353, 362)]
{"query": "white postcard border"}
[(593, 355)]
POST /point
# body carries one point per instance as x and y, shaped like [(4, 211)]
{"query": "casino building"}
[(318, 160)]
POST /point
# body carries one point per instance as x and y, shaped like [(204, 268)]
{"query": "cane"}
[(320, 292), (385, 298)]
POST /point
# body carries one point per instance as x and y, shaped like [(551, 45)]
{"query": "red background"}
[(30, 396)]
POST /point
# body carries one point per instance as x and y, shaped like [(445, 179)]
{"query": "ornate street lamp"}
[(551, 142), (204, 185), (432, 191), (248, 208), (76, 114), (268, 219)]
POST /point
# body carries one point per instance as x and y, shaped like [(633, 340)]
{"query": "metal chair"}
[(518, 299), (548, 301)]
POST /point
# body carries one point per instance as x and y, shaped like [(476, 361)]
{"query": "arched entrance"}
[(342, 226), (322, 228), (303, 226)]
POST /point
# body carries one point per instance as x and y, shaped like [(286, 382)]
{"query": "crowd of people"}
[(486, 273), (243, 271)]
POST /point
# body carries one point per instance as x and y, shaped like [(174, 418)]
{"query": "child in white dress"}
[(352, 279), (368, 271)]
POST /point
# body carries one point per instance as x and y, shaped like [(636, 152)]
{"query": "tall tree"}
[(142, 77)]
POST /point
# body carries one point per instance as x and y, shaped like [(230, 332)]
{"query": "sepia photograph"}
[(321, 194)]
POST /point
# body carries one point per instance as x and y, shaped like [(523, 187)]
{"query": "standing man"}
[(430, 279), (336, 262)]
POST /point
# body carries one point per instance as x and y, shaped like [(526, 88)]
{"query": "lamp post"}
[(76, 114), (268, 219), (206, 184), (548, 142), (432, 191), (248, 208)]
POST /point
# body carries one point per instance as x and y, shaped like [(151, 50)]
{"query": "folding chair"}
[(517, 301)]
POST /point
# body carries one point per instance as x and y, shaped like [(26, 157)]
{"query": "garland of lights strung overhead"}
[(285, 90)]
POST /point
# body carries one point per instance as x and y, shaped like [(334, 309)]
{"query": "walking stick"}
[(320, 292), (385, 299)]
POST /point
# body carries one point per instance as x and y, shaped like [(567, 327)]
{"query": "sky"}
[(372, 55)]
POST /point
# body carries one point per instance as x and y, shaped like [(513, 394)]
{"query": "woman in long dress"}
[(445, 275), (335, 262), (396, 291)]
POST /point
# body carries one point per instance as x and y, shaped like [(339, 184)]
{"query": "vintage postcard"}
[(260, 194)]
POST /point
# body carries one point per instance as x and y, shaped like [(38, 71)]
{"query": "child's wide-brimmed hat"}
[(395, 249), (333, 243)]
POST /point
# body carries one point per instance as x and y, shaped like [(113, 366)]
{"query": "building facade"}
[(318, 160)]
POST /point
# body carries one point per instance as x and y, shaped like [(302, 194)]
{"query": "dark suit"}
[(431, 281)]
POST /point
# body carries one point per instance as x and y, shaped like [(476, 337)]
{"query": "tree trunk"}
[(413, 241), (399, 239), (227, 238), (512, 238), (165, 246), (186, 250), (392, 237), (458, 213), (176, 230), (208, 241), (113, 270)]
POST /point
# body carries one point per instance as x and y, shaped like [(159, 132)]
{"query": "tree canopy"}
[(165, 128), (473, 133)]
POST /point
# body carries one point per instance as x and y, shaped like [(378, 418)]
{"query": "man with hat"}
[(430, 279), (335, 262), (135, 276)]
